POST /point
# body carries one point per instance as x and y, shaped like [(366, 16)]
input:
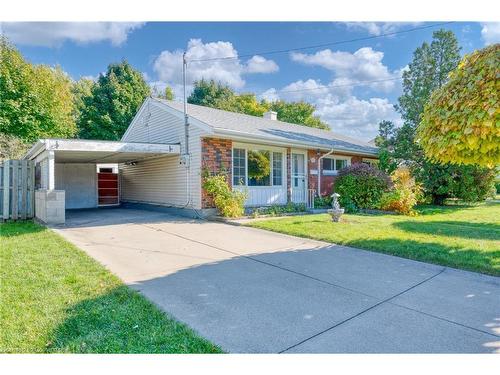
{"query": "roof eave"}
[(242, 136)]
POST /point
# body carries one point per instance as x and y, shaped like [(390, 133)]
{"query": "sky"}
[(338, 79)]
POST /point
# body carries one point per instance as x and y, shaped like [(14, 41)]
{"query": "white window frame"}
[(257, 147), (334, 158)]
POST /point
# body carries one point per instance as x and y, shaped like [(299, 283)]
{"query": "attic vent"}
[(271, 115)]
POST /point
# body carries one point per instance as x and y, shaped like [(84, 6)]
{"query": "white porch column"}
[(51, 174), (50, 203)]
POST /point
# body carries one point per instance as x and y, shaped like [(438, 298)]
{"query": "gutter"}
[(319, 170)]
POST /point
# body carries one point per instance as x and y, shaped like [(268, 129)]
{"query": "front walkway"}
[(249, 290)]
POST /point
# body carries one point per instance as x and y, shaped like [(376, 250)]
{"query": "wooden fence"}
[(17, 189)]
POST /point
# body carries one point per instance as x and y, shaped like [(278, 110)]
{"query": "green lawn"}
[(54, 298), (456, 236)]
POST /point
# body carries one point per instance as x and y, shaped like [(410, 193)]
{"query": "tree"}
[(35, 100), (217, 95), (386, 134), (298, 113), (385, 142), (212, 94), (114, 101), (427, 72), (82, 89), (167, 94), (12, 147), (461, 122), (248, 103)]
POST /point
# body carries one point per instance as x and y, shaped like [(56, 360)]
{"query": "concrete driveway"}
[(249, 290)]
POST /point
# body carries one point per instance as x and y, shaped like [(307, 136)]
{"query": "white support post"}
[(51, 177)]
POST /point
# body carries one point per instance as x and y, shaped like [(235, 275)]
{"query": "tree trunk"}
[(438, 200)]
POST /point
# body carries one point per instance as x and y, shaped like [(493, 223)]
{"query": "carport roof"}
[(90, 151)]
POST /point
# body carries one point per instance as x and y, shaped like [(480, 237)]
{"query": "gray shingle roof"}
[(280, 131)]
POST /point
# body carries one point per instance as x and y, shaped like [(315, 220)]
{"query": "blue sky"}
[(337, 74)]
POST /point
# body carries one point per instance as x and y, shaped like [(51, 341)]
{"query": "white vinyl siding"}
[(155, 124), (157, 181)]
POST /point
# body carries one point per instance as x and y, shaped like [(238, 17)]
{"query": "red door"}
[(107, 187)]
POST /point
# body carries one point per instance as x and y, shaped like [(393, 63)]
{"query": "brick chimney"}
[(271, 115)]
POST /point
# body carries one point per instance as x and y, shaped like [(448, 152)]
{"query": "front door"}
[(299, 177)]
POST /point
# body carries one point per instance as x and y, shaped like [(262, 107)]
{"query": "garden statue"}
[(336, 212)]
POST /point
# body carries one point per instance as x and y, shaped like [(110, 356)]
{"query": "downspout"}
[(319, 170), (186, 157)]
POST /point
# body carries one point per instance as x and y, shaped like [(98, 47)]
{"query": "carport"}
[(66, 171)]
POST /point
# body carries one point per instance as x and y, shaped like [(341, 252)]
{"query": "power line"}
[(324, 44), (360, 83)]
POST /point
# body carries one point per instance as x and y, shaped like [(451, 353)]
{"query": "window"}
[(239, 168), (370, 162), (277, 168), (332, 165), (259, 168), (328, 164), (340, 163)]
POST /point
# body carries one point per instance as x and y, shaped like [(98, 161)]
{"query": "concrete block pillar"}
[(50, 207)]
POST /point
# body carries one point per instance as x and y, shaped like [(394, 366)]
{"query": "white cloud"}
[(337, 106), (379, 28), (355, 68), (356, 117), (259, 64), (490, 32), (168, 65), (269, 95), (300, 90), (54, 34), (90, 78)]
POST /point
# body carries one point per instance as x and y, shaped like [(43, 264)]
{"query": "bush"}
[(276, 210), (228, 202), (475, 184), (405, 195), (323, 202), (361, 186)]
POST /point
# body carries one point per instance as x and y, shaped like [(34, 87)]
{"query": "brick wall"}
[(327, 182), (216, 157)]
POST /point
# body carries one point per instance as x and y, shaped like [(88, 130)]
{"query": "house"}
[(161, 163)]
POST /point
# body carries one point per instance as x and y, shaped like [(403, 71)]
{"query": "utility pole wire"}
[(326, 87), (324, 44)]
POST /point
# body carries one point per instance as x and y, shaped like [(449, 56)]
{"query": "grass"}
[(54, 298), (466, 237)]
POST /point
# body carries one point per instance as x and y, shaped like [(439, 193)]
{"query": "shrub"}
[(276, 210), (228, 202), (474, 184), (323, 202), (361, 186), (405, 194)]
